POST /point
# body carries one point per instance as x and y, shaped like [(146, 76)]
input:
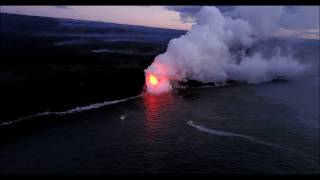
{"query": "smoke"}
[(286, 17), (214, 50), (263, 19)]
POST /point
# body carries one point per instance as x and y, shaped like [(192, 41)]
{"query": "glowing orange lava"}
[(153, 80)]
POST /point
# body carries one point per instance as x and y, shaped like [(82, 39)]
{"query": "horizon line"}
[(94, 21)]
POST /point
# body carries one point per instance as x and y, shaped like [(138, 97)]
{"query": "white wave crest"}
[(230, 134), (306, 157), (71, 111)]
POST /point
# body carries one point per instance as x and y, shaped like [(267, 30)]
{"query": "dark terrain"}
[(50, 64)]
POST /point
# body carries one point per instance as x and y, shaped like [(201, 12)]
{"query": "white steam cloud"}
[(206, 53)]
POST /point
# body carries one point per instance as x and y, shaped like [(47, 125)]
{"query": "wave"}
[(230, 134), (309, 158), (71, 111)]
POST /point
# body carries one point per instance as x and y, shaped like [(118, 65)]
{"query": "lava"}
[(153, 80), (156, 79)]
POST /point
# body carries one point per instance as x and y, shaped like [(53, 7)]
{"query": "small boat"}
[(122, 117)]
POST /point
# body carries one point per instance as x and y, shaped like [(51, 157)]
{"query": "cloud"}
[(187, 12), (302, 17), (265, 19), (63, 7)]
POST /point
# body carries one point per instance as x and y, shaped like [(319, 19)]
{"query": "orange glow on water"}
[(156, 108), (153, 80)]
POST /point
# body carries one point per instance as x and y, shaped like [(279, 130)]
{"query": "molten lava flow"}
[(156, 79), (153, 80)]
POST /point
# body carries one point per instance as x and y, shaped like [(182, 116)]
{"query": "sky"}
[(282, 21), (151, 16)]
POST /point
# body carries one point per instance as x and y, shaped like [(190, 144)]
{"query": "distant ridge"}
[(90, 21)]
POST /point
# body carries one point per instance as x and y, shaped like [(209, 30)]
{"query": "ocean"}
[(271, 128)]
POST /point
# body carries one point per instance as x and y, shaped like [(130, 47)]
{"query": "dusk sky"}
[(153, 16), (296, 21)]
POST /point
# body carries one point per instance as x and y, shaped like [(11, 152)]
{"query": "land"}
[(50, 64)]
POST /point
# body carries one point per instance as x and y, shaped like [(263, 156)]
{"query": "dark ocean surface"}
[(269, 128)]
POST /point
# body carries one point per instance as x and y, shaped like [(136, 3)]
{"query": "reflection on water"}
[(156, 138), (156, 109)]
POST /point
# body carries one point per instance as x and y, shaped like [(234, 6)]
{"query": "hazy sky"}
[(154, 16), (292, 21)]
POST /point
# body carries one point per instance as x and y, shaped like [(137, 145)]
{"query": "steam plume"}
[(213, 50)]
